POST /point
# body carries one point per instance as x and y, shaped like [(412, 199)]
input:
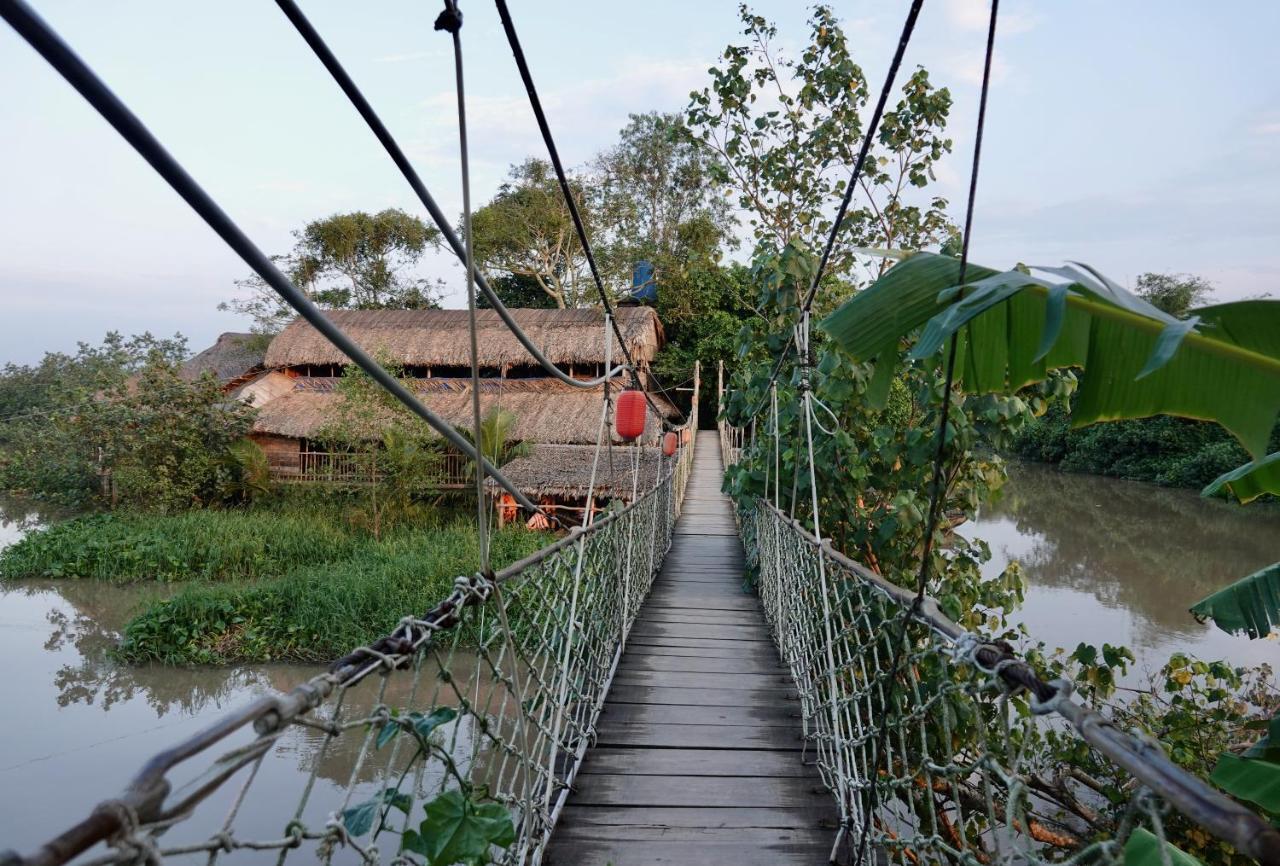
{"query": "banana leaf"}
[(1221, 364), (1246, 483), (1250, 605), (1251, 779), (1143, 849)]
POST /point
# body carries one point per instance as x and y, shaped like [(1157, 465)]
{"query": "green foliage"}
[(459, 830), (526, 231), (1175, 294), (786, 133), (206, 545), (1250, 605), (121, 422), (1257, 781), (401, 455), (248, 472), (1145, 849), (314, 612), (496, 444), (1246, 483), (356, 260), (1015, 328), (1174, 452)]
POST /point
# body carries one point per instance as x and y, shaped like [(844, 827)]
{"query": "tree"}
[(1175, 294), (356, 261), (657, 188), (526, 231), (394, 452), (786, 134), (516, 290)]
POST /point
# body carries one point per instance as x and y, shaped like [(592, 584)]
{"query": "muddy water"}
[(1121, 562), (76, 726)]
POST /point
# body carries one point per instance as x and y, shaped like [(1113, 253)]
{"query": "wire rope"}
[(935, 494), (536, 103), (330, 62), (41, 37)]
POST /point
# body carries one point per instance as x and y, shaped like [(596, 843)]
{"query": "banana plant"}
[(1221, 363)]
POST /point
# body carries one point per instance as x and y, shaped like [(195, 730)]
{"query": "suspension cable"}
[(40, 36), (450, 20), (571, 203), (935, 494), (389, 144)]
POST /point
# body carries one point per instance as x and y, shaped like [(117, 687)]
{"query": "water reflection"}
[(78, 725), (1122, 562)]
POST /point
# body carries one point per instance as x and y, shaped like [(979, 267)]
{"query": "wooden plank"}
[(751, 763), (696, 643), (765, 683), (689, 629), (727, 650), (704, 848), (780, 714), (708, 617), (632, 693), (709, 792), (797, 818), (636, 662), (638, 734)]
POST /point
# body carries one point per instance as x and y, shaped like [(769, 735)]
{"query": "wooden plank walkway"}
[(698, 758)]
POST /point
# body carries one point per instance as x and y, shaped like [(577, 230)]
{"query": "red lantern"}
[(629, 416), (669, 443)]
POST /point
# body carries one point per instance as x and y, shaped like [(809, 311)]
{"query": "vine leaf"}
[(1246, 483), (1143, 849), (358, 820), (457, 830), (1252, 779), (423, 725), (1250, 605)]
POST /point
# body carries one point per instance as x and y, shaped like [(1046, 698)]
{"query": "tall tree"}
[(356, 260), (787, 131), (526, 231), (1176, 294), (656, 187)]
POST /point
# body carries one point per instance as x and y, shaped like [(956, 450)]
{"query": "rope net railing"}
[(927, 734), (453, 730)]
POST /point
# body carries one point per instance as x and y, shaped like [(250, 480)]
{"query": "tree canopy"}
[(355, 261)]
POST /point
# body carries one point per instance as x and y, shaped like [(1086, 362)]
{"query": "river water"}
[(1105, 560)]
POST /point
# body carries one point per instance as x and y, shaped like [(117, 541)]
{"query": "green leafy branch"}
[(458, 826)]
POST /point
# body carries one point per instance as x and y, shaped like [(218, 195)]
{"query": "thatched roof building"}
[(439, 337), (546, 410), (232, 358), (564, 472)]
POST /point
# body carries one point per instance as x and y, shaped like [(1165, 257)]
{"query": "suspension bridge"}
[(615, 697)]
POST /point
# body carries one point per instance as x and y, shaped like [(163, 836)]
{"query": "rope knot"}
[(450, 19), (1062, 689)]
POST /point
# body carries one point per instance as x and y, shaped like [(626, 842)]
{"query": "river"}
[(1105, 560)]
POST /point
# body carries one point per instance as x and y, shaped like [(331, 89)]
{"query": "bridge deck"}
[(698, 758)]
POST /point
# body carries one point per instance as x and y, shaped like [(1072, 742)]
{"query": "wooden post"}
[(719, 387)]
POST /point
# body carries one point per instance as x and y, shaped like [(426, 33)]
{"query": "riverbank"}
[(1171, 452), (260, 585)]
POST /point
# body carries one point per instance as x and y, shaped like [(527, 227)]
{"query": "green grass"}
[(314, 612), (195, 545)]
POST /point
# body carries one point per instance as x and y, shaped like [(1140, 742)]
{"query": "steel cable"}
[(40, 36)]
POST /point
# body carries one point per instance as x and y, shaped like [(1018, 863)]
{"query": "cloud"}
[(975, 16), (1269, 127)]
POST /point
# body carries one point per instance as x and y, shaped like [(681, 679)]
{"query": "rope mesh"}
[(960, 781), (508, 720)]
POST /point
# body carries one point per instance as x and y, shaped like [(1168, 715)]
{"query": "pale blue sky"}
[(1133, 136)]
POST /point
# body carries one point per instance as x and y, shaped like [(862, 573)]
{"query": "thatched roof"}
[(565, 470), (426, 337), (232, 356), (546, 410)]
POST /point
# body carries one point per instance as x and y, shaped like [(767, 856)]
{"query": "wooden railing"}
[(338, 467)]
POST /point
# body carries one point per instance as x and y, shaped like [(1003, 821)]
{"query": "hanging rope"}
[(389, 144)]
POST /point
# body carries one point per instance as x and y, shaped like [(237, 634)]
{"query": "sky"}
[(1138, 136)]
